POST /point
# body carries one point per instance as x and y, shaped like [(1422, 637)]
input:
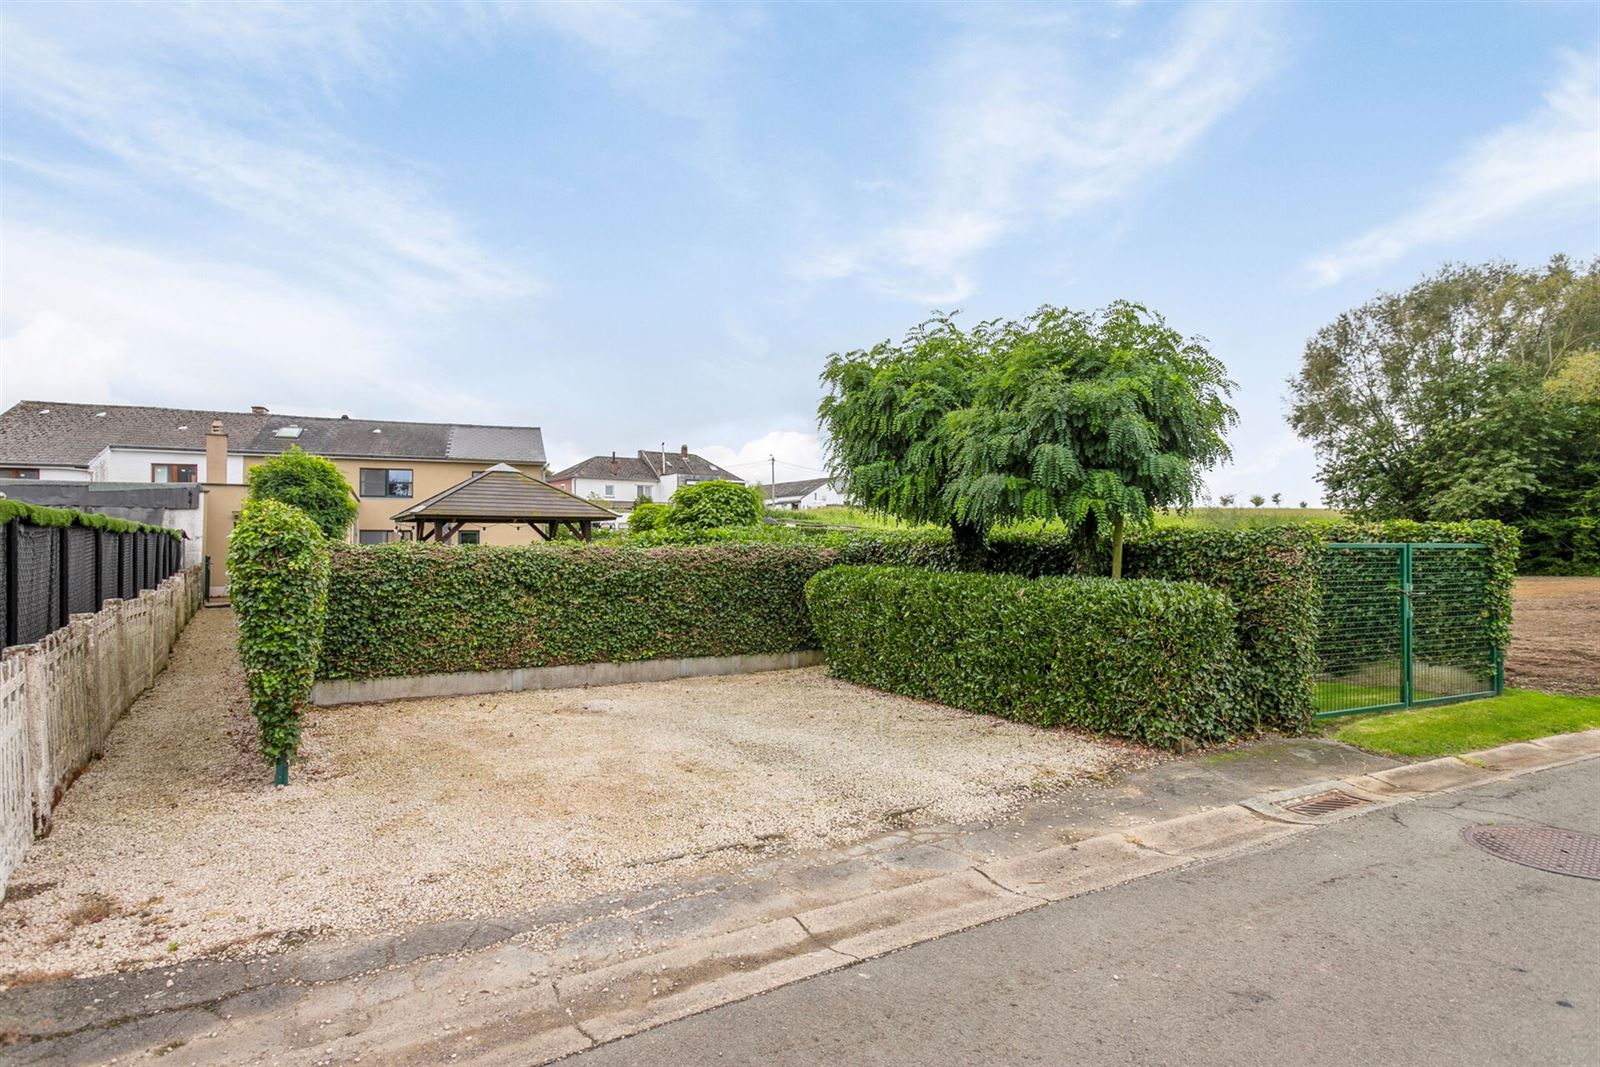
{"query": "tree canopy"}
[(1471, 395), (312, 484), (1095, 419)]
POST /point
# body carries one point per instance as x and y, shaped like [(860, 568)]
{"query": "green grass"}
[(1242, 518), (1448, 729), (1335, 696), (836, 515)]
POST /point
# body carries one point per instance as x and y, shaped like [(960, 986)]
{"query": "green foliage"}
[(647, 516), (1270, 573), (1090, 418), (278, 581), (1257, 500), (421, 609), (39, 515), (312, 484), (1468, 396), (1148, 660), (714, 505)]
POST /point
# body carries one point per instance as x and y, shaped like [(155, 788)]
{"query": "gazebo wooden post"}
[(588, 530)]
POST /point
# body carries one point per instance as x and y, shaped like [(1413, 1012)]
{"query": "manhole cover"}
[(1325, 803), (1546, 848)]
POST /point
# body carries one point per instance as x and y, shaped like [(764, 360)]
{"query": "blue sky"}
[(636, 224)]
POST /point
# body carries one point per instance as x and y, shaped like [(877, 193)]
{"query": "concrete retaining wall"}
[(368, 690)]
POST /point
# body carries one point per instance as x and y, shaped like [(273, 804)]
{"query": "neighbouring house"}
[(388, 464), (806, 493), (620, 482)]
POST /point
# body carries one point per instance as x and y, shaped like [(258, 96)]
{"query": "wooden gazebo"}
[(504, 494)]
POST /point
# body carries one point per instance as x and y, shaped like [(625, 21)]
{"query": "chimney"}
[(615, 466), (683, 450), (216, 454), (257, 409)]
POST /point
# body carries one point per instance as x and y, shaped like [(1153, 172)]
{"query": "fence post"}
[(11, 583), (64, 573), (33, 684)]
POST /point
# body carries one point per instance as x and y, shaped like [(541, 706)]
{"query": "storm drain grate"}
[(1546, 848), (1328, 803)]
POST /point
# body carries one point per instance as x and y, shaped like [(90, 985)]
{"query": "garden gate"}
[(1404, 624)]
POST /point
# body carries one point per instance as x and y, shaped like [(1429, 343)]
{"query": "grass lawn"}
[(1448, 729), (1243, 518)]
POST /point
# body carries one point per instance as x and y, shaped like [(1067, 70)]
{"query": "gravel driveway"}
[(176, 845)]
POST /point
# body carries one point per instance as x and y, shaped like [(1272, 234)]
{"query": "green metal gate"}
[(1404, 624)]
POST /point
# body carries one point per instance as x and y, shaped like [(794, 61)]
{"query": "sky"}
[(637, 225)]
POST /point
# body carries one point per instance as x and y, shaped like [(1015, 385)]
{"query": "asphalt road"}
[(1384, 939)]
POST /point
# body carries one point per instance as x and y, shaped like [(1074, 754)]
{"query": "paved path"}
[(1384, 939)]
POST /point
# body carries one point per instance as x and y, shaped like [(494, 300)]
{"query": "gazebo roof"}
[(504, 494)]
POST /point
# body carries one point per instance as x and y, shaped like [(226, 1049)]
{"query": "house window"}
[(611, 490), (20, 473), (641, 492), (380, 481), (467, 537), (174, 472), (373, 537)]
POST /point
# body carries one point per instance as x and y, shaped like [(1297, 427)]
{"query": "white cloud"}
[(1021, 133), (1547, 162), (798, 454), (213, 111)]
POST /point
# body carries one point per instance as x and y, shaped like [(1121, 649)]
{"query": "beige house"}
[(388, 464)]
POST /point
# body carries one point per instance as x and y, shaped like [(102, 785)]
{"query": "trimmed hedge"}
[(1269, 572), (40, 515), (1148, 660), (278, 583), (412, 608)]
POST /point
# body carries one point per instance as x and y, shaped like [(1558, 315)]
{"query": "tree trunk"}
[(1116, 547)]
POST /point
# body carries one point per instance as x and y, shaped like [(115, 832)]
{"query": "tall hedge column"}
[(278, 563)]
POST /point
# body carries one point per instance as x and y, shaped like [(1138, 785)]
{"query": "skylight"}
[(287, 431)]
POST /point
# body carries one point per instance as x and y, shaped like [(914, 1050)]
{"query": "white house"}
[(807, 493), (622, 481)]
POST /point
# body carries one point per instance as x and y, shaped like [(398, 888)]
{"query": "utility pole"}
[(772, 486)]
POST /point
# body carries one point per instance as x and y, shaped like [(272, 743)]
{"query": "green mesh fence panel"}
[(1401, 624)]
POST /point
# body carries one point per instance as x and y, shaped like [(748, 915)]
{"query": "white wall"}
[(825, 496), (625, 491), (133, 464)]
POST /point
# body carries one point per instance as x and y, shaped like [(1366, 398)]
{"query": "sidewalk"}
[(534, 987)]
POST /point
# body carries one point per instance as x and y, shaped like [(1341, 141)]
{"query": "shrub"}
[(40, 515), (278, 582), (312, 484), (1148, 660), (647, 516), (705, 505), (421, 609)]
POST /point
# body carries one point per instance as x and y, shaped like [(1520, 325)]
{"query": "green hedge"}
[(1148, 660), (421, 609), (278, 583), (40, 515), (1269, 572)]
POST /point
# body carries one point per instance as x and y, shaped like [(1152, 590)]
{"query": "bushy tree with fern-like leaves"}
[(1096, 419)]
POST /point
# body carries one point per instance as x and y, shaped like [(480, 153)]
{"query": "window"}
[(611, 490), (467, 537), (373, 537), (641, 492), (174, 472), (20, 473), (378, 481)]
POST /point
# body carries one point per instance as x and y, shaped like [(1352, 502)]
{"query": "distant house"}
[(620, 482), (389, 464), (807, 493)]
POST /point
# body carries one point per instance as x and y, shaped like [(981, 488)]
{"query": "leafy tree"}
[(1257, 500), (1226, 500), (1304, 504), (714, 505), (1465, 397), (312, 484), (1095, 419), (1277, 498), (647, 516)]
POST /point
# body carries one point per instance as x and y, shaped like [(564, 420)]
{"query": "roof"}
[(44, 433), (647, 466), (795, 490), (503, 494)]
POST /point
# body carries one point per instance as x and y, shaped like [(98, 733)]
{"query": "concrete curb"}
[(520, 1005)]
